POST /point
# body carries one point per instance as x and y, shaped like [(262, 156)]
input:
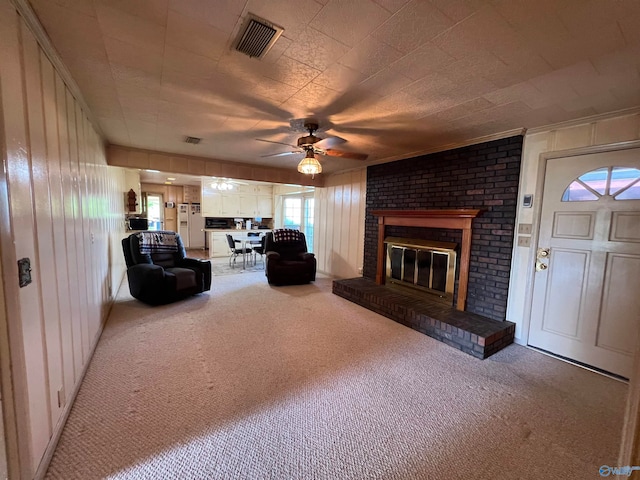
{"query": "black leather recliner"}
[(287, 259), (164, 277)]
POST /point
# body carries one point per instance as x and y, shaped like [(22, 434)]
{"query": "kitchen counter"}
[(242, 231), (218, 245)]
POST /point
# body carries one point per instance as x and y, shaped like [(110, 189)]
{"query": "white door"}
[(586, 296)]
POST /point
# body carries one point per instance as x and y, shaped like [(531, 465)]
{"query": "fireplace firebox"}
[(423, 265)]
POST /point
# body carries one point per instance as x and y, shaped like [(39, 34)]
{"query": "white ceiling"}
[(392, 77)]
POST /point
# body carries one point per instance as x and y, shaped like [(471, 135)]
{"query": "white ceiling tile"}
[(339, 78), (392, 5), (294, 73), (133, 76), (370, 57), (586, 16), (554, 86), (315, 97), (316, 49), (416, 23), (456, 10), (273, 90), (77, 6), (69, 23), (524, 92), (386, 81), (596, 101), (349, 21), (628, 20), (133, 56), (462, 110), (115, 129), (131, 29), (422, 61), (195, 36), (152, 10), (179, 60), (277, 50), (223, 15), (519, 14)]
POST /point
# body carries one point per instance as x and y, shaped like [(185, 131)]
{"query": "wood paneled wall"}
[(339, 238), (61, 207)]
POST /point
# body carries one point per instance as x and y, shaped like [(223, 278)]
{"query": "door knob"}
[(543, 252), (541, 266)]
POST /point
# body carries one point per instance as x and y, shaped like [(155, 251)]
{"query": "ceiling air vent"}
[(194, 140), (257, 36)]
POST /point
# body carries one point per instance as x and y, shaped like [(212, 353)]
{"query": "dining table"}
[(247, 242)]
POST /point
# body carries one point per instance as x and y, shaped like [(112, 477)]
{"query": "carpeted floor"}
[(258, 382), (220, 267)]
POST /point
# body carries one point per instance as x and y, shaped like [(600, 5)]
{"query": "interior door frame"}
[(629, 453)]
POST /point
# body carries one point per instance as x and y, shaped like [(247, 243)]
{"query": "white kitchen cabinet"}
[(247, 205), (246, 201), (264, 206), (228, 205), (218, 245), (211, 201)]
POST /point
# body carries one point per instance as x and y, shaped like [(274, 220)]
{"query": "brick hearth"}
[(473, 334)]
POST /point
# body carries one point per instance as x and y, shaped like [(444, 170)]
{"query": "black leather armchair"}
[(162, 277), (287, 259)]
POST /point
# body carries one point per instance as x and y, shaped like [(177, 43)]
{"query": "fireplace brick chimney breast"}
[(483, 176)]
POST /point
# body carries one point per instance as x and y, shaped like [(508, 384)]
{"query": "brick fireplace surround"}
[(483, 176)]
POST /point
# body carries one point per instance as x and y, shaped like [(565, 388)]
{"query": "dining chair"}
[(260, 250), (234, 252)]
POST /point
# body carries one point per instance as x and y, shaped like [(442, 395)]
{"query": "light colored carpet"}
[(258, 382), (220, 267)]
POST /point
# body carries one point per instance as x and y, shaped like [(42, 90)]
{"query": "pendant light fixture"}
[(309, 165)]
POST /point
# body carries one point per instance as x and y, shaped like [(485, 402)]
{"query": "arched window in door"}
[(622, 183)]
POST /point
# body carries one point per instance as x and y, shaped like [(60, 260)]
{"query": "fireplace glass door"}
[(426, 266)]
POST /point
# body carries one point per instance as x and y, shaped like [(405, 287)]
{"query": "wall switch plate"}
[(24, 272), (524, 241), (525, 228)]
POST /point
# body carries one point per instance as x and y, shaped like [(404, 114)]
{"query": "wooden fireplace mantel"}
[(455, 219)]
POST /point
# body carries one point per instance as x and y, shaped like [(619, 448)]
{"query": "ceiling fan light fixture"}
[(222, 186), (310, 165)]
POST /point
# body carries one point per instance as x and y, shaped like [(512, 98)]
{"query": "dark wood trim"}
[(455, 219)]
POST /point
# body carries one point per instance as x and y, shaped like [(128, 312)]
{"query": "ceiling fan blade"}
[(342, 154), (279, 143), (281, 154), (330, 142)]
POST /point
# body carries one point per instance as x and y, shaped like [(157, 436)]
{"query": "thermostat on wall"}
[(527, 201)]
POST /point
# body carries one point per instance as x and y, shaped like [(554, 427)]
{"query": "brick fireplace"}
[(478, 177)]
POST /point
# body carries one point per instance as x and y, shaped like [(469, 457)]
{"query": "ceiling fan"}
[(310, 144), (219, 183)]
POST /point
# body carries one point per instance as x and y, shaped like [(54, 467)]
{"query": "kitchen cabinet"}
[(191, 194), (246, 201), (218, 246), (265, 206), (211, 205)]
